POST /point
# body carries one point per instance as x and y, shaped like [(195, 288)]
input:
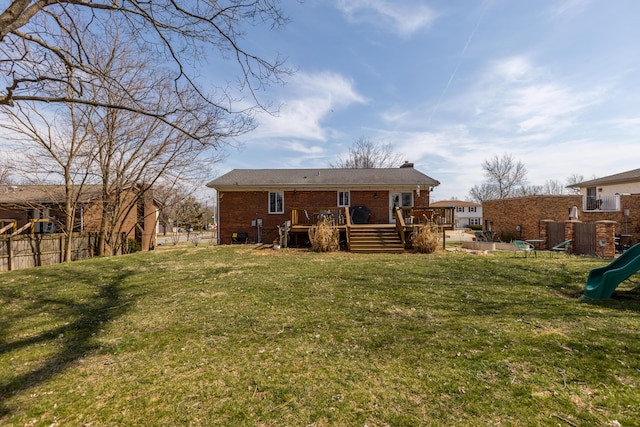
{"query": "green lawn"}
[(235, 336)]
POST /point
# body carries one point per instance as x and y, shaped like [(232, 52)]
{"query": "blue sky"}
[(555, 84), (449, 84)]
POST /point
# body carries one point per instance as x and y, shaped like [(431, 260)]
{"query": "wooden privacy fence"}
[(34, 250), (584, 236), (585, 239)]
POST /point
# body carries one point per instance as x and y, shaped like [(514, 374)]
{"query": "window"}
[(474, 221), (472, 209), (460, 209), (343, 198), (592, 201), (276, 202)]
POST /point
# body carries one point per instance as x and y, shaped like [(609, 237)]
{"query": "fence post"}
[(9, 253), (544, 233), (605, 238), (570, 233)]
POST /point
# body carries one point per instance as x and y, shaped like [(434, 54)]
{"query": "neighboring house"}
[(258, 201), (465, 213), (603, 194), (40, 209), (611, 200)]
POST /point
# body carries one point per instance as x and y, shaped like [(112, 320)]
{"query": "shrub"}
[(425, 239), (324, 236), (133, 246), (507, 237)]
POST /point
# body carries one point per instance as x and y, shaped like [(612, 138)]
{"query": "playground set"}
[(603, 281)]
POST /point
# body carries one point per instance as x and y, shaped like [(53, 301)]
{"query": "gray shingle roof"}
[(322, 177), (18, 194), (629, 176)]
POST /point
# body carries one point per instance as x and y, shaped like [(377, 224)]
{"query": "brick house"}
[(612, 202), (40, 209), (465, 213), (603, 194), (258, 201)]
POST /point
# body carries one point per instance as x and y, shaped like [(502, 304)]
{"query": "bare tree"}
[(366, 154), (133, 150), (43, 41), (505, 177), (122, 150), (554, 187), (550, 188), (53, 143), (482, 192), (6, 173)]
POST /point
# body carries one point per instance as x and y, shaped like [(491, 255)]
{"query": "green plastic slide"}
[(602, 281)]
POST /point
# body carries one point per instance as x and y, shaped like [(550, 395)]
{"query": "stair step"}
[(375, 240)]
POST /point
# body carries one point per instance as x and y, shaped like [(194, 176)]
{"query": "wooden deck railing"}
[(415, 215), (408, 216), (400, 225), (311, 216)]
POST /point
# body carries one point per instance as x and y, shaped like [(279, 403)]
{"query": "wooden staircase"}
[(374, 238)]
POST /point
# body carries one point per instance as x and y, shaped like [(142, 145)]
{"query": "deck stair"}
[(374, 238)]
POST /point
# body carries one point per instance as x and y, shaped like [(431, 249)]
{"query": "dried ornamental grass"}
[(324, 236), (425, 239)]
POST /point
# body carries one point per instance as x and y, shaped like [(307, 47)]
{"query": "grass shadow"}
[(75, 338)]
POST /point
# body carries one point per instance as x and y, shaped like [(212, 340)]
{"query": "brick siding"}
[(238, 208), (529, 212)]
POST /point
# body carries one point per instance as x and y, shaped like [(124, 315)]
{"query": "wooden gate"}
[(555, 233), (585, 238)]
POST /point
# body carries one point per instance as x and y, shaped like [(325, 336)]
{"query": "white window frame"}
[(341, 202), (278, 195)]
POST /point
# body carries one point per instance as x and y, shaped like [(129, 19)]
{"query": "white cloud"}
[(629, 123), (301, 148), (401, 17), (516, 68), (515, 96), (307, 100), (564, 7)]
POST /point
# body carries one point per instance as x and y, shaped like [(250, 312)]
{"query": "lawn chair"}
[(525, 247), (562, 247)]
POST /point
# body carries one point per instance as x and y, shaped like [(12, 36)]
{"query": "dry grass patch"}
[(324, 236), (425, 239)]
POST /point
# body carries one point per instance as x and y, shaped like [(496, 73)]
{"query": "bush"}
[(507, 237), (133, 246), (324, 237), (425, 239)]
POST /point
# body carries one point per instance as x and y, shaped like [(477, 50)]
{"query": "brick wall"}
[(504, 215), (630, 225)]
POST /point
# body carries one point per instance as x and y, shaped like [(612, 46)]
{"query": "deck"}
[(371, 237)]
